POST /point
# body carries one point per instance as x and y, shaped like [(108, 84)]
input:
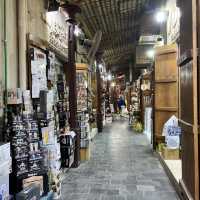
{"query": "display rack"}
[(84, 108)]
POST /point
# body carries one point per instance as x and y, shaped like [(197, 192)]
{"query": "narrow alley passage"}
[(122, 167), (86, 86)]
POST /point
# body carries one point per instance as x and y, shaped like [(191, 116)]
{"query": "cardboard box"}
[(170, 154), (85, 154), (37, 180)]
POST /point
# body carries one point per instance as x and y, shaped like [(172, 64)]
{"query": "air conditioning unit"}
[(142, 59), (151, 39)]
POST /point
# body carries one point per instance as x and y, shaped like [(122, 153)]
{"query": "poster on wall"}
[(38, 72)]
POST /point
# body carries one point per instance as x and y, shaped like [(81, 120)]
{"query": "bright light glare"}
[(161, 16), (109, 77), (86, 84), (150, 53), (100, 66), (77, 31), (113, 84)]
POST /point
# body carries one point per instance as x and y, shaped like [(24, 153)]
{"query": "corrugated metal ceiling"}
[(119, 22)]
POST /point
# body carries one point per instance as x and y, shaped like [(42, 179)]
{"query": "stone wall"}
[(12, 51)]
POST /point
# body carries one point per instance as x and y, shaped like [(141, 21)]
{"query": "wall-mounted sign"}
[(173, 23), (57, 31)]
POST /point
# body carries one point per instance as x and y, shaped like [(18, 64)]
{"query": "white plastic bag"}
[(173, 121), (172, 133)]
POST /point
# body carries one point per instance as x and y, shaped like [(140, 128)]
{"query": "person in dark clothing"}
[(121, 103)]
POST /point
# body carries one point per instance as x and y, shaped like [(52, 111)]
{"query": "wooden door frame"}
[(195, 99)]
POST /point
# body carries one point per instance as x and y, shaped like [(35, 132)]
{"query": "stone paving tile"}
[(122, 167)]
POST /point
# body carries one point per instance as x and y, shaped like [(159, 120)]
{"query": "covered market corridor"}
[(99, 99)]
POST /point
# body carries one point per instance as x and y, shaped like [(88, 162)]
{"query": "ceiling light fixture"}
[(150, 53), (77, 31), (161, 16), (100, 66), (109, 78), (113, 84)]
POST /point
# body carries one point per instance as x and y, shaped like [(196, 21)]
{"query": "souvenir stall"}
[(84, 105), (41, 142), (135, 106), (147, 103)]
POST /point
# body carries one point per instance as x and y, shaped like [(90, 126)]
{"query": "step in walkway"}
[(122, 167)]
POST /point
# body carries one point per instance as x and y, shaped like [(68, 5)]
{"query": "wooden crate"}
[(85, 154)]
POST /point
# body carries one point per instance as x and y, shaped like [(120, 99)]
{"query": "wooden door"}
[(166, 88), (189, 96)]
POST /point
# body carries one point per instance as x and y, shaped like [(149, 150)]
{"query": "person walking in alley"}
[(121, 104)]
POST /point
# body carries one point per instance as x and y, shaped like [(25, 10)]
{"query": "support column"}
[(99, 101), (71, 10)]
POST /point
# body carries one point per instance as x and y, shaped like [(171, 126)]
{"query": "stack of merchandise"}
[(27, 154), (5, 166), (82, 114), (52, 107), (135, 101), (50, 141), (83, 124), (63, 103), (108, 112), (67, 148), (81, 92)]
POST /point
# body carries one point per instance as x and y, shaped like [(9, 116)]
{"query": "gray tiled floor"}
[(122, 167)]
